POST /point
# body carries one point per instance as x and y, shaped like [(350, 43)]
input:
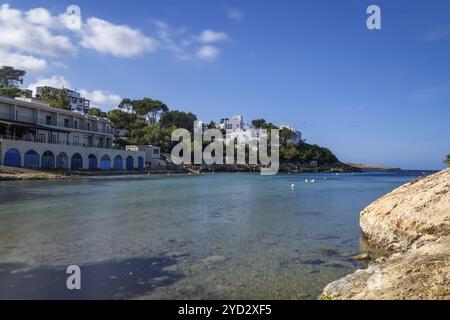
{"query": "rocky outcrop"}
[(12, 173), (416, 209), (413, 224), (371, 167)]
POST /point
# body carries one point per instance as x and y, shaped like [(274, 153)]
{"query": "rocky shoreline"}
[(12, 173), (412, 223)]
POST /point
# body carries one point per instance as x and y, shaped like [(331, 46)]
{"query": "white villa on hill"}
[(238, 129), (34, 135)]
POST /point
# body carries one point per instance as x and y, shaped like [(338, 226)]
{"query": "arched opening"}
[(105, 163), (130, 163), (12, 158), (141, 163), (48, 160), (62, 161), (92, 162), (76, 162), (118, 163), (31, 160)]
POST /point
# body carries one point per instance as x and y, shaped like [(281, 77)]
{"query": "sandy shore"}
[(12, 173)]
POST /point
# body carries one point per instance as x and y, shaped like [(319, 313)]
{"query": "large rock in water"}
[(416, 209), (413, 223)]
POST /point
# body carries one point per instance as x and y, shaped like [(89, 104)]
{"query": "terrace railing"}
[(38, 140)]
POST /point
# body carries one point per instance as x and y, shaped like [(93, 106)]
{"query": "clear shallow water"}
[(218, 236)]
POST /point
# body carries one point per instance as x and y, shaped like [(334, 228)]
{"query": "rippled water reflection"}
[(210, 236)]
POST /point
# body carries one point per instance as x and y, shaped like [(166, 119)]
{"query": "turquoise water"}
[(213, 236)]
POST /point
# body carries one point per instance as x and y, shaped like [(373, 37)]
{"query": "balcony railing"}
[(6, 116), (70, 125), (38, 140)]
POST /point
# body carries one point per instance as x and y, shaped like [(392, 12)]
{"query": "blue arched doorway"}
[(118, 163), (76, 162), (48, 160), (92, 162), (130, 163), (31, 160), (105, 163), (12, 158), (62, 161), (141, 163)]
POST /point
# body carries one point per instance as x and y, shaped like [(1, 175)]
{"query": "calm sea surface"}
[(212, 236)]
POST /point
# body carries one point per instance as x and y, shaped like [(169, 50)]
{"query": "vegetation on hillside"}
[(151, 122), (163, 122)]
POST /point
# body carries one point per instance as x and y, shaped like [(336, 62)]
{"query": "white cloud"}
[(101, 98), (211, 36), (36, 40), (41, 16), (53, 81), (234, 14), (19, 33), (24, 62), (173, 40), (185, 46), (208, 53), (118, 40), (98, 98)]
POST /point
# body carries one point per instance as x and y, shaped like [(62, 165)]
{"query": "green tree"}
[(11, 77), (286, 136), (97, 112), (149, 108), (10, 92), (312, 152), (178, 119), (447, 161), (259, 123), (155, 135), (123, 120), (57, 98)]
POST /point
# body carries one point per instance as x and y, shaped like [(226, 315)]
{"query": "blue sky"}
[(380, 96)]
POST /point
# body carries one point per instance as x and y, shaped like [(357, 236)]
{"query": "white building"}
[(76, 101), (152, 155), (34, 135), (238, 129), (235, 123)]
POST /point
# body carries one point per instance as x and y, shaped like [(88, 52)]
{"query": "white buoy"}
[(306, 180), (313, 180), (292, 186)]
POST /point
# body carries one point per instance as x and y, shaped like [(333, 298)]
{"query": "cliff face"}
[(413, 223)]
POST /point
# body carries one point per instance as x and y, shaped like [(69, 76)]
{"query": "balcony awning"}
[(31, 126)]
